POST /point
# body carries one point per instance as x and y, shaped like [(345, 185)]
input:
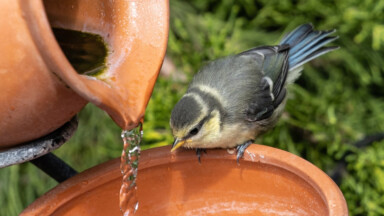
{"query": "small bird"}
[(234, 99)]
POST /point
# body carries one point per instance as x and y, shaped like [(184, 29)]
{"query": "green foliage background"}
[(337, 101)]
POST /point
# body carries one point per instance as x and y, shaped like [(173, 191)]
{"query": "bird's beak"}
[(177, 143)]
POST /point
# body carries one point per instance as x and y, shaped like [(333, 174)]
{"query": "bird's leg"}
[(199, 153), (241, 149)]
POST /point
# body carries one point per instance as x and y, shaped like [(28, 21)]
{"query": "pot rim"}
[(108, 171)]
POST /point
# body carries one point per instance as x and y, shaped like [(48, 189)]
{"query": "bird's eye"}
[(194, 131)]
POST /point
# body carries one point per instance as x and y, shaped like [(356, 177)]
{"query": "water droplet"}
[(129, 166), (252, 156), (231, 151), (85, 182)]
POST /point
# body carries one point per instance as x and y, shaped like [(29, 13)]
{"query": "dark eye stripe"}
[(198, 126)]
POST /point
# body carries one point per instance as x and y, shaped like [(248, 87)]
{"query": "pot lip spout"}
[(138, 48)]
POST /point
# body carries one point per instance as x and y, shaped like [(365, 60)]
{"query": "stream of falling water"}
[(128, 166)]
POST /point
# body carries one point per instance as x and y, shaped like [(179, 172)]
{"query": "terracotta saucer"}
[(267, 181)]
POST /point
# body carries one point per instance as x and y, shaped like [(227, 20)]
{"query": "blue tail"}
[(307, 44)]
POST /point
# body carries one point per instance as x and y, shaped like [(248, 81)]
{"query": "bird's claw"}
[(241, 149), (199, 153)]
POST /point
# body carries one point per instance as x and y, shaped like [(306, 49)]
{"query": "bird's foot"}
[(241, 149), (199, 152)]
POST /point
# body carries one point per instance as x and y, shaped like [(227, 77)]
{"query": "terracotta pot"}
[(40, 90), (267, 182)]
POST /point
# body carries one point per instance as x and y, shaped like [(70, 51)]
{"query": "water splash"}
[(128, 166)]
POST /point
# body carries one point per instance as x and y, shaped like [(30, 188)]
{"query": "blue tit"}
[(234, 99)]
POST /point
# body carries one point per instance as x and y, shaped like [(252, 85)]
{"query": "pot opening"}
[(85, 51), (82, 29)]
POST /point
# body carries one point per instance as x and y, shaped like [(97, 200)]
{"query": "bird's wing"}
[(272, 85)]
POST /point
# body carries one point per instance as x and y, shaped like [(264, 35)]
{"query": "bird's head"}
[(194, 123)]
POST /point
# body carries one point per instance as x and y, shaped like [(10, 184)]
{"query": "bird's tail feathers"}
[(306, 44)]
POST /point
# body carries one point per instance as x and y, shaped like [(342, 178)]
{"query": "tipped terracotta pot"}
[(40, 90), (268, 181)]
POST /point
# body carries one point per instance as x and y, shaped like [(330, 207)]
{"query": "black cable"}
[(54, 167)]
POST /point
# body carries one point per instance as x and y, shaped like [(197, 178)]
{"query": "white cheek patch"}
[(211, 129)]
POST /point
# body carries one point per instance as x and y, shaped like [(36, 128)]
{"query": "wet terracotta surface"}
[(41, 90), (267, 182)]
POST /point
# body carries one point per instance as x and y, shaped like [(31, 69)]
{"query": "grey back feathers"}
[(235, 78)]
